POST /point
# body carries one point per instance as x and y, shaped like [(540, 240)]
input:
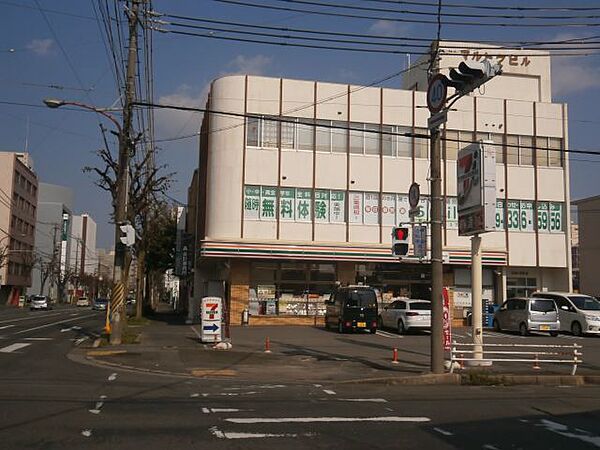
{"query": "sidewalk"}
[(298, 354)]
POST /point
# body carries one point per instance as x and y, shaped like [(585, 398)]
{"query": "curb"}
[(412, 380)]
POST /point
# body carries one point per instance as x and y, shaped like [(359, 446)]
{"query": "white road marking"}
[(329, 392), (563, 430), (490, 447), (317, 385), (388, 335), (373, 400), (37, 316), (444, 432), (206, 410), (194, 395), (232, 435), (38, 339), (11, 348), (94, 411), (80, 340), (86, 433), (326, 419), (112, 377), (54, 323), (220, 410), (6, 326), (103, 397), (231, 394)]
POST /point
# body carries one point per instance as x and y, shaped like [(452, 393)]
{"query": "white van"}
[(578, 313)]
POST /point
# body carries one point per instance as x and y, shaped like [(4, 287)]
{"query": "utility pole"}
[(125, 142)]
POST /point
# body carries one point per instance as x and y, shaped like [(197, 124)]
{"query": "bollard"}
[(267, 345), (536, 365), (462, 361), (395, 356)]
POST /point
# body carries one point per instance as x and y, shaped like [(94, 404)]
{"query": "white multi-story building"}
[(84, 258), (299, 189)]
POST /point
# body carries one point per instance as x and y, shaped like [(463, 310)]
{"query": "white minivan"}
[(578, 313)]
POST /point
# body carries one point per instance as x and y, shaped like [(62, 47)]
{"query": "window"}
[(356, 138), (541, 305), (387, 140), (525, 150), (306, 134), (555, 152), (323, 136), (512, 149), (339, 137), (404, 142), (372, 139), (451, 145), (498, 140), (520, 287), (253, 132), (541, 151), (421, 144), (270, 133), (288, 134)]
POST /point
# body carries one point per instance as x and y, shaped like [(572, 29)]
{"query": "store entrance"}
[(396, 280)]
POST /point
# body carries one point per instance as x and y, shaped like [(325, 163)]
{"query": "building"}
[(588, 214), (52, 242), (84, 258), (299, 188), (18, 212), (575, 255)]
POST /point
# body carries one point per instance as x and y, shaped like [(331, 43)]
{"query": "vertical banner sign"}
[(556, 218), (321, 206), (419, 241), (542, 217), (526, 216), (355, 207), (371, 213), (286, 203), (388, 209), (211, 315), (447, 325), (402, 209), (451, 213), (268, 203), (303, 205), (476, 177), (251, 202), (337, 207), (500, 215)]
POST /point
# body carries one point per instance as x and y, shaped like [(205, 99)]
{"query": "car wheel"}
[(523, 329), (341, 328), (554, 333), (373, 330), (401, 327), (496, 325), (576, 329)]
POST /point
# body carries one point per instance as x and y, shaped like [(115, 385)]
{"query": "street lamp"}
[(117, 302)]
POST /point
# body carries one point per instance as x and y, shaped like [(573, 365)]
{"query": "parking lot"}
[(364, 354)]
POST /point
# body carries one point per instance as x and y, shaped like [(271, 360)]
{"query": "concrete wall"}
[(588, 212)]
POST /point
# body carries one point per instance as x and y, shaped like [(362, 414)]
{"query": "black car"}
[(352, 308)]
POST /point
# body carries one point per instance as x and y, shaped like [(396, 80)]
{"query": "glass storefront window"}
[(520, 286)]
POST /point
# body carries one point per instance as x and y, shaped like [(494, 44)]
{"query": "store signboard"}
[(476, 177), (211, 315)]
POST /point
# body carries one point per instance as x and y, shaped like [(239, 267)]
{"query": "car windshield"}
[(421, 306), (39, 298), (101, 300), (543, 305), (361, 299), (585, 302)]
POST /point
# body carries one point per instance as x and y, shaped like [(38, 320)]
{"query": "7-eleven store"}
[(299, 190)]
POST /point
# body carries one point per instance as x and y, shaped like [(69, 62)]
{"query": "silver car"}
[(528, 314), (578, 313), (40, 302)]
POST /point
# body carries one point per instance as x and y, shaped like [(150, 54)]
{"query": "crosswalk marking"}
[(11, 348), (6, 326)]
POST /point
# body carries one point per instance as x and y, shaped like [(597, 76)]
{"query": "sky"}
[(55, 49)]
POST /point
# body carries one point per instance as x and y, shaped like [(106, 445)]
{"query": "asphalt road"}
[(49, 401)]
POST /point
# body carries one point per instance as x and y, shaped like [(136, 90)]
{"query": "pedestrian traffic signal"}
[(469, 77), (127, 235), (400, 241)]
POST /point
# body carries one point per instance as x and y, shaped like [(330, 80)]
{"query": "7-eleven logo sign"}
[(212, 309)]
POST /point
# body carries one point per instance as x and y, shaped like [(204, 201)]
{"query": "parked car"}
[(406, 315), (528, 314), (578, 313), (40, 302), (100, 304), (82, 301), (352, 308)]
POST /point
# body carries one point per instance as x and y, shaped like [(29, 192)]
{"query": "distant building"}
[(84, 259), (575, 255), (52, 235), (588, 213), (18, 211)]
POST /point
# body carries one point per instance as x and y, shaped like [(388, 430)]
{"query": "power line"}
[(396, 19), (491, 7)]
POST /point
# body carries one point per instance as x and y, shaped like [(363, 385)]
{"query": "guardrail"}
[(531, 353)]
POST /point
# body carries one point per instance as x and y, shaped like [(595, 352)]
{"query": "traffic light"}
[(469, 77), (399, 241), (127, 236)]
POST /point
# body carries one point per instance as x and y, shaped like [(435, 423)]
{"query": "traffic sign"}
[(436, 93), (437, 119), (414, 194)]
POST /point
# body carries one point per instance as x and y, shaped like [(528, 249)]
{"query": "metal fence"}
[(535, 354)]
